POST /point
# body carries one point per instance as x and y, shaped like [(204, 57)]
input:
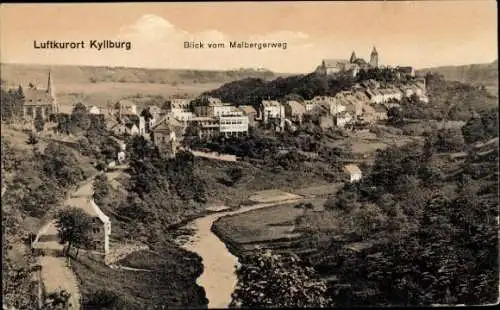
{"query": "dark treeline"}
[(252, 91), (12, 103)]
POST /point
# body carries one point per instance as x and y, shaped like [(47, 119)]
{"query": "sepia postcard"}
[(288, 154)]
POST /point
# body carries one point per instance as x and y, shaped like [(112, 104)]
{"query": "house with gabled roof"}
[(251, 112), (166, 136), (295, 110), (101, 224), (353, 172)]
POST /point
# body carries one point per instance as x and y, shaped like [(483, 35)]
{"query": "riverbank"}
[(218, 278), (265, 228), (169, 279)]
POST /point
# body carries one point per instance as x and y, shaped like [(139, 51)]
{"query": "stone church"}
[(41, 102)]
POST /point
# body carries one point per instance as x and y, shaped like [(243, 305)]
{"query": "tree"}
[(39, 123), (57, 300), (395, 116), (74, 227), (270, 280), (32, 138), (104, 299), (61, 165), (80, 118), (146, 113), (101, 187), (446, 140)]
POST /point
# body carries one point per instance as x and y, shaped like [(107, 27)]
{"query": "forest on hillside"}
[(486, 74), (429, 225), (252, 91)]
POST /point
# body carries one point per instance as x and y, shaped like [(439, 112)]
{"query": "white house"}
[(220, 109), (342, 119), (183, 116), (310, 104), (233, 124), (127, 107), (101, 224), (100, 238), (354, 173), (336, 108), (121, 157), (94, 110), (180, 105), (271, 109)]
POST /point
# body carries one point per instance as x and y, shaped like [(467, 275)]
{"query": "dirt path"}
[(56, 274)]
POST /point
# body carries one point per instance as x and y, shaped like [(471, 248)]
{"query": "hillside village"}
[(361, 106), (122, 137)]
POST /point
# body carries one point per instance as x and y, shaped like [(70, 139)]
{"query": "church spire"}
[(353, 57), (50, 87), (374, 58), (52, 93)]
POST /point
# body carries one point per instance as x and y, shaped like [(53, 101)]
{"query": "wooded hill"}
[(485, 74)]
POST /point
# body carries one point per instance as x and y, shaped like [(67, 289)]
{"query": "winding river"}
[(219, 265)]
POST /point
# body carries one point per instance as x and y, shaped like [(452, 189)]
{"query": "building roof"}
[(34, 96), (380, 108), (248, 109), (94, 110), (296, 107), (131, 126), (344, 114), (167, 125), (125, 102), (178, 103), (318, 110), (405, 69), (271, 103), (349, 107), (154, 108), (322, 99), (88, 206), (335, 63), (352, 169), (360, 62)]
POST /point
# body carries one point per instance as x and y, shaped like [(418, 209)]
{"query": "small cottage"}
[(353, 172)]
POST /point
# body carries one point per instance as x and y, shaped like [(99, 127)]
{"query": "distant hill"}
[(485, 74), (25, 73)]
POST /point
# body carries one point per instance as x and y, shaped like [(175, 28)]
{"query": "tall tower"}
[(51, 91), (374, 58), (353, 57)]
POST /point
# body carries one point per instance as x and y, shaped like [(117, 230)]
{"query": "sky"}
[(418, 33)]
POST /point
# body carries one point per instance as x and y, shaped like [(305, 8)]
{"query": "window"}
[(96, 230)]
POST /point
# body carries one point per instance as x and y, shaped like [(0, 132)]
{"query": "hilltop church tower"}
[(353, 57), (51, 91), (374, 58)]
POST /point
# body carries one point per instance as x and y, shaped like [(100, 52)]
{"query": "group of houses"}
[(365, 103)]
